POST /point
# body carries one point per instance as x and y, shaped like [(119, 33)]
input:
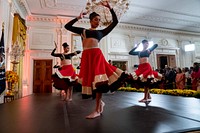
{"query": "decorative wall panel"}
[(119, 44), (42, 40)]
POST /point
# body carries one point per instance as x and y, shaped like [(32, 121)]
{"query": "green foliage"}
[(197, 94)]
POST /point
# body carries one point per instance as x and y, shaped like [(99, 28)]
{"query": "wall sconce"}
[(16, 53)]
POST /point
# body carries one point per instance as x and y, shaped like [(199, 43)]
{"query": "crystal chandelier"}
[(119, 6)]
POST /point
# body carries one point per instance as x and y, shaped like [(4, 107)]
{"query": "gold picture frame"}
[(76, 42)]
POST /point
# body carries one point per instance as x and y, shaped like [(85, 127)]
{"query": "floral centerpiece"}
[(12, 78)]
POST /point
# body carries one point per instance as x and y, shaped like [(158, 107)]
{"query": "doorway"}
[(42, 72), (166, 61)]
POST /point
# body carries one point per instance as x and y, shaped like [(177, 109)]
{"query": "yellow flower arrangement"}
[(12, 77), (174, 92)]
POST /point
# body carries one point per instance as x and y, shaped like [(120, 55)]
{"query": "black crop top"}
[(145, 53), (64, 56), (97, 34)]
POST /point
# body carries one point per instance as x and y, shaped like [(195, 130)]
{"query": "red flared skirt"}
[(145, 72), (67, 71), (95, 69), (64, 77)]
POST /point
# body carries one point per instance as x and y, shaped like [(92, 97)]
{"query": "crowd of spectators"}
[(180, 78)]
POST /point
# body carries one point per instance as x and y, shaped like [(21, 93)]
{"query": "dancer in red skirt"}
[(96, 75), (65, 74), (144, 73)]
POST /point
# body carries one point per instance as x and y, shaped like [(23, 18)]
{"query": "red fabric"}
[(93, 63), (67, 71), (195, 76), (146, 70)]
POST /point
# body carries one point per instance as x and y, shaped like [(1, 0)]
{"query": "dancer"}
[(144, 73), (65, 73), (96, 75)]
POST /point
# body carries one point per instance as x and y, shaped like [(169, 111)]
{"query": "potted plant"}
[(12, 79)]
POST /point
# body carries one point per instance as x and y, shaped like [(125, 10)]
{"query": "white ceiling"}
[(181, 15)]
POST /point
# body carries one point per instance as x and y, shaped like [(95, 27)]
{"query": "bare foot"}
[(63, 98), (102, 106), (69, 100), (93, 115), (112, 92), (143, 100), (149, 100)]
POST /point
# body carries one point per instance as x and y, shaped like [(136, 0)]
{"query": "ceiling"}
[(183, 15)]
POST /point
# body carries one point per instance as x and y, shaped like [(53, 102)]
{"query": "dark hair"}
[(135, 66), (179, 70), (196, 67), (65, 45), (144, 41), (92, 15), (186, 69)]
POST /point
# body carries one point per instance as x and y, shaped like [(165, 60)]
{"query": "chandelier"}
[(119, 6)]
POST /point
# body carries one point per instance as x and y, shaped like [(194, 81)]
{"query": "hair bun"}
[(65, 45), (144, 41), (92, 15)]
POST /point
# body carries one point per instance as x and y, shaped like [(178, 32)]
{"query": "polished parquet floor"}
[(46, 113)]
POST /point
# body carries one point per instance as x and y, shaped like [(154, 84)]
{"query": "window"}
[(189, 47)]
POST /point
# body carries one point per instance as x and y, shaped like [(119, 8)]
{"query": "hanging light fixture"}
[(119, 6)]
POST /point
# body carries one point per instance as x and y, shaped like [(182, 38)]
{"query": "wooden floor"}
[(46, 113)]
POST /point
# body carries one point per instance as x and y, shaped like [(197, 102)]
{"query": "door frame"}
[(39, 60), (168, 60), (32, 58), (166, 51)]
